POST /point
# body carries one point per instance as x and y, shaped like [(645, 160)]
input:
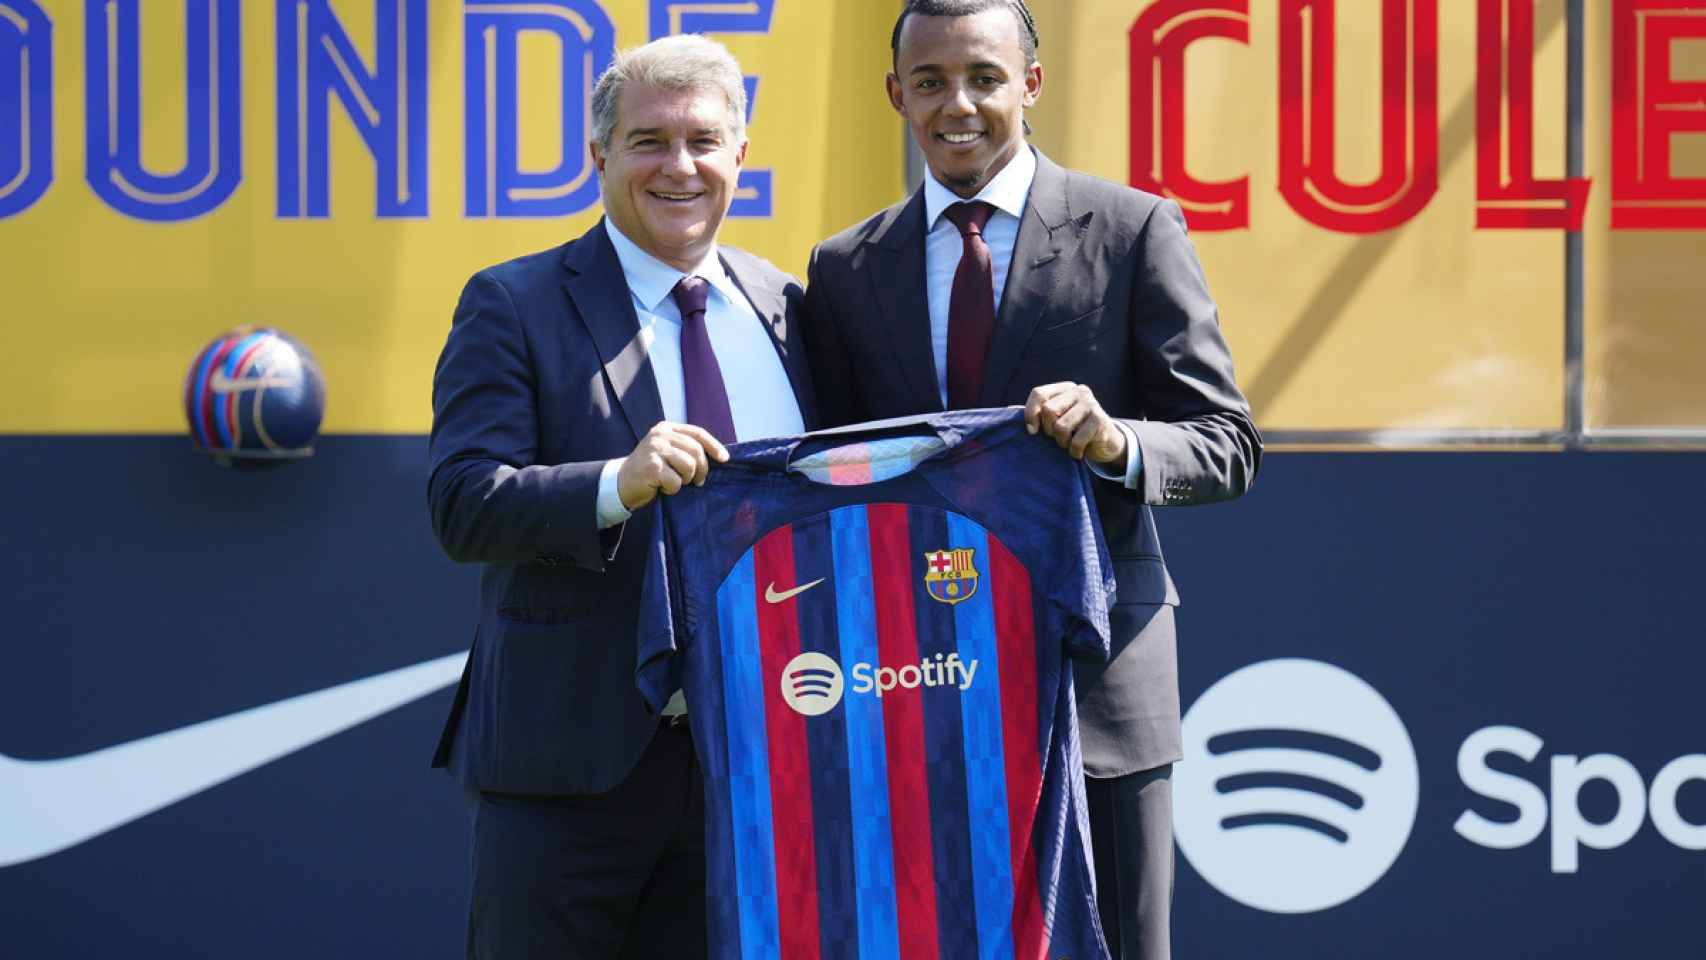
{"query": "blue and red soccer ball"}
[(255, 394)]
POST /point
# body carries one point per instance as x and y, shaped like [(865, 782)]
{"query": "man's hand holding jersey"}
[(1070, 413), (669, 457)]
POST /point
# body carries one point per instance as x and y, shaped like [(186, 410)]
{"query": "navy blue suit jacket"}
[(542, 380)]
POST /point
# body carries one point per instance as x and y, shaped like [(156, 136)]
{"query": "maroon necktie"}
[(971, 306), (702, 379)]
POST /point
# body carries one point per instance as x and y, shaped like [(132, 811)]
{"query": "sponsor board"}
[(1299, 790)]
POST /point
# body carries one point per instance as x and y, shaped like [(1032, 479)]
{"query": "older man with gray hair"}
[(576, 386)]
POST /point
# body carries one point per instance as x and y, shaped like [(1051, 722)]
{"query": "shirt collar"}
[(651, 280), (1008, 192)]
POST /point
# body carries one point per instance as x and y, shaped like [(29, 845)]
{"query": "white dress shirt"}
[(761, 399), (1008, 194)]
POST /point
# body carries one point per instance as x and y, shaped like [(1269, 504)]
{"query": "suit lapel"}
[(600, 295), (1047, 237), (772, 307), (896, 272)]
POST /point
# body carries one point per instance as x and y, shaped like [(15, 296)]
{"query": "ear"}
[(597, 156), (1033, 84), (740, 155), (892, 83)]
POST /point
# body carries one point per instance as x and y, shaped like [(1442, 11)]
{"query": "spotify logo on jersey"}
[(811, 684), (1298, 789)]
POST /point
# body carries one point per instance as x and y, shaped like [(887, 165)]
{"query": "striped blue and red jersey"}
[(874, 631)]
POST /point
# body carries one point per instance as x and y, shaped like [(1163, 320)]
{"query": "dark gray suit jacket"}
[(542, 380), (1105, 290)]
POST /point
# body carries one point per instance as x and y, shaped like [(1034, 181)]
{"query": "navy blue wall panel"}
[(145, 589), (1558, 593)]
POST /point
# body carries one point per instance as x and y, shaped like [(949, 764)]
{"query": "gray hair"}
[(683, 62)]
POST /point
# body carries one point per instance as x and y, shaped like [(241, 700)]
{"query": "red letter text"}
[(1158, 41), (1507, 196), (1647, 109), (1409, 121)]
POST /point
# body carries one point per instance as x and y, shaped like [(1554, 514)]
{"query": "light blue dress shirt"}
[(761, 399), (1007, 193)]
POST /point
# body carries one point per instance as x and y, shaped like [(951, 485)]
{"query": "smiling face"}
[(962, 84), (670, 171)]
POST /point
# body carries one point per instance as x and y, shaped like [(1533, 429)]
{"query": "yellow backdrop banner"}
[(1377, 188), (338, 169)]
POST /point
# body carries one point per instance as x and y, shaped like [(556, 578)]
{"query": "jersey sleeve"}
[(1085, 590), (657, 670), (1043, 498)]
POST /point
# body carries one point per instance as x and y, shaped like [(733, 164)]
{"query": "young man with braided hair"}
[(1007, 279)]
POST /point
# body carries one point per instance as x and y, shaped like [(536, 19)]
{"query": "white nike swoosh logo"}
[(49, 805), (771, 595), (218, 382)]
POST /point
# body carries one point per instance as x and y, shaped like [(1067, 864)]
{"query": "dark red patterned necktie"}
[(701, 378), (971, 307)]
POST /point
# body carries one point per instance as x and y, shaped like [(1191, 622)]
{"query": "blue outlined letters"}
[(376, 81), (26, 105), (496, 185), (213, 111), (387, 105)]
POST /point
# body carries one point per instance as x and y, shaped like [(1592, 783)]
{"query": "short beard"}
[(969, 182)]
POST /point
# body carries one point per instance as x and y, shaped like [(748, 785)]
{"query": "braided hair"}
[(1028, 40)]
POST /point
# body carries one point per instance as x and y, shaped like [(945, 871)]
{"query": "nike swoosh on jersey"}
[(49, 805), (771, 595), (218, 382)]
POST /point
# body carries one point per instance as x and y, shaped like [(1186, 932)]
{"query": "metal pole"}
[(914, 160), (1575, 400)]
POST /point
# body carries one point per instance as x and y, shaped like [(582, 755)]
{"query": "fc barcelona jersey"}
[(874, 631)]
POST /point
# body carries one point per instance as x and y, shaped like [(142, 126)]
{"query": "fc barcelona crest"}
[(950, 575)]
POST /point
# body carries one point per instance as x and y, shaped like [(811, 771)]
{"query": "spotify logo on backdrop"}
[(1298, 789)]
